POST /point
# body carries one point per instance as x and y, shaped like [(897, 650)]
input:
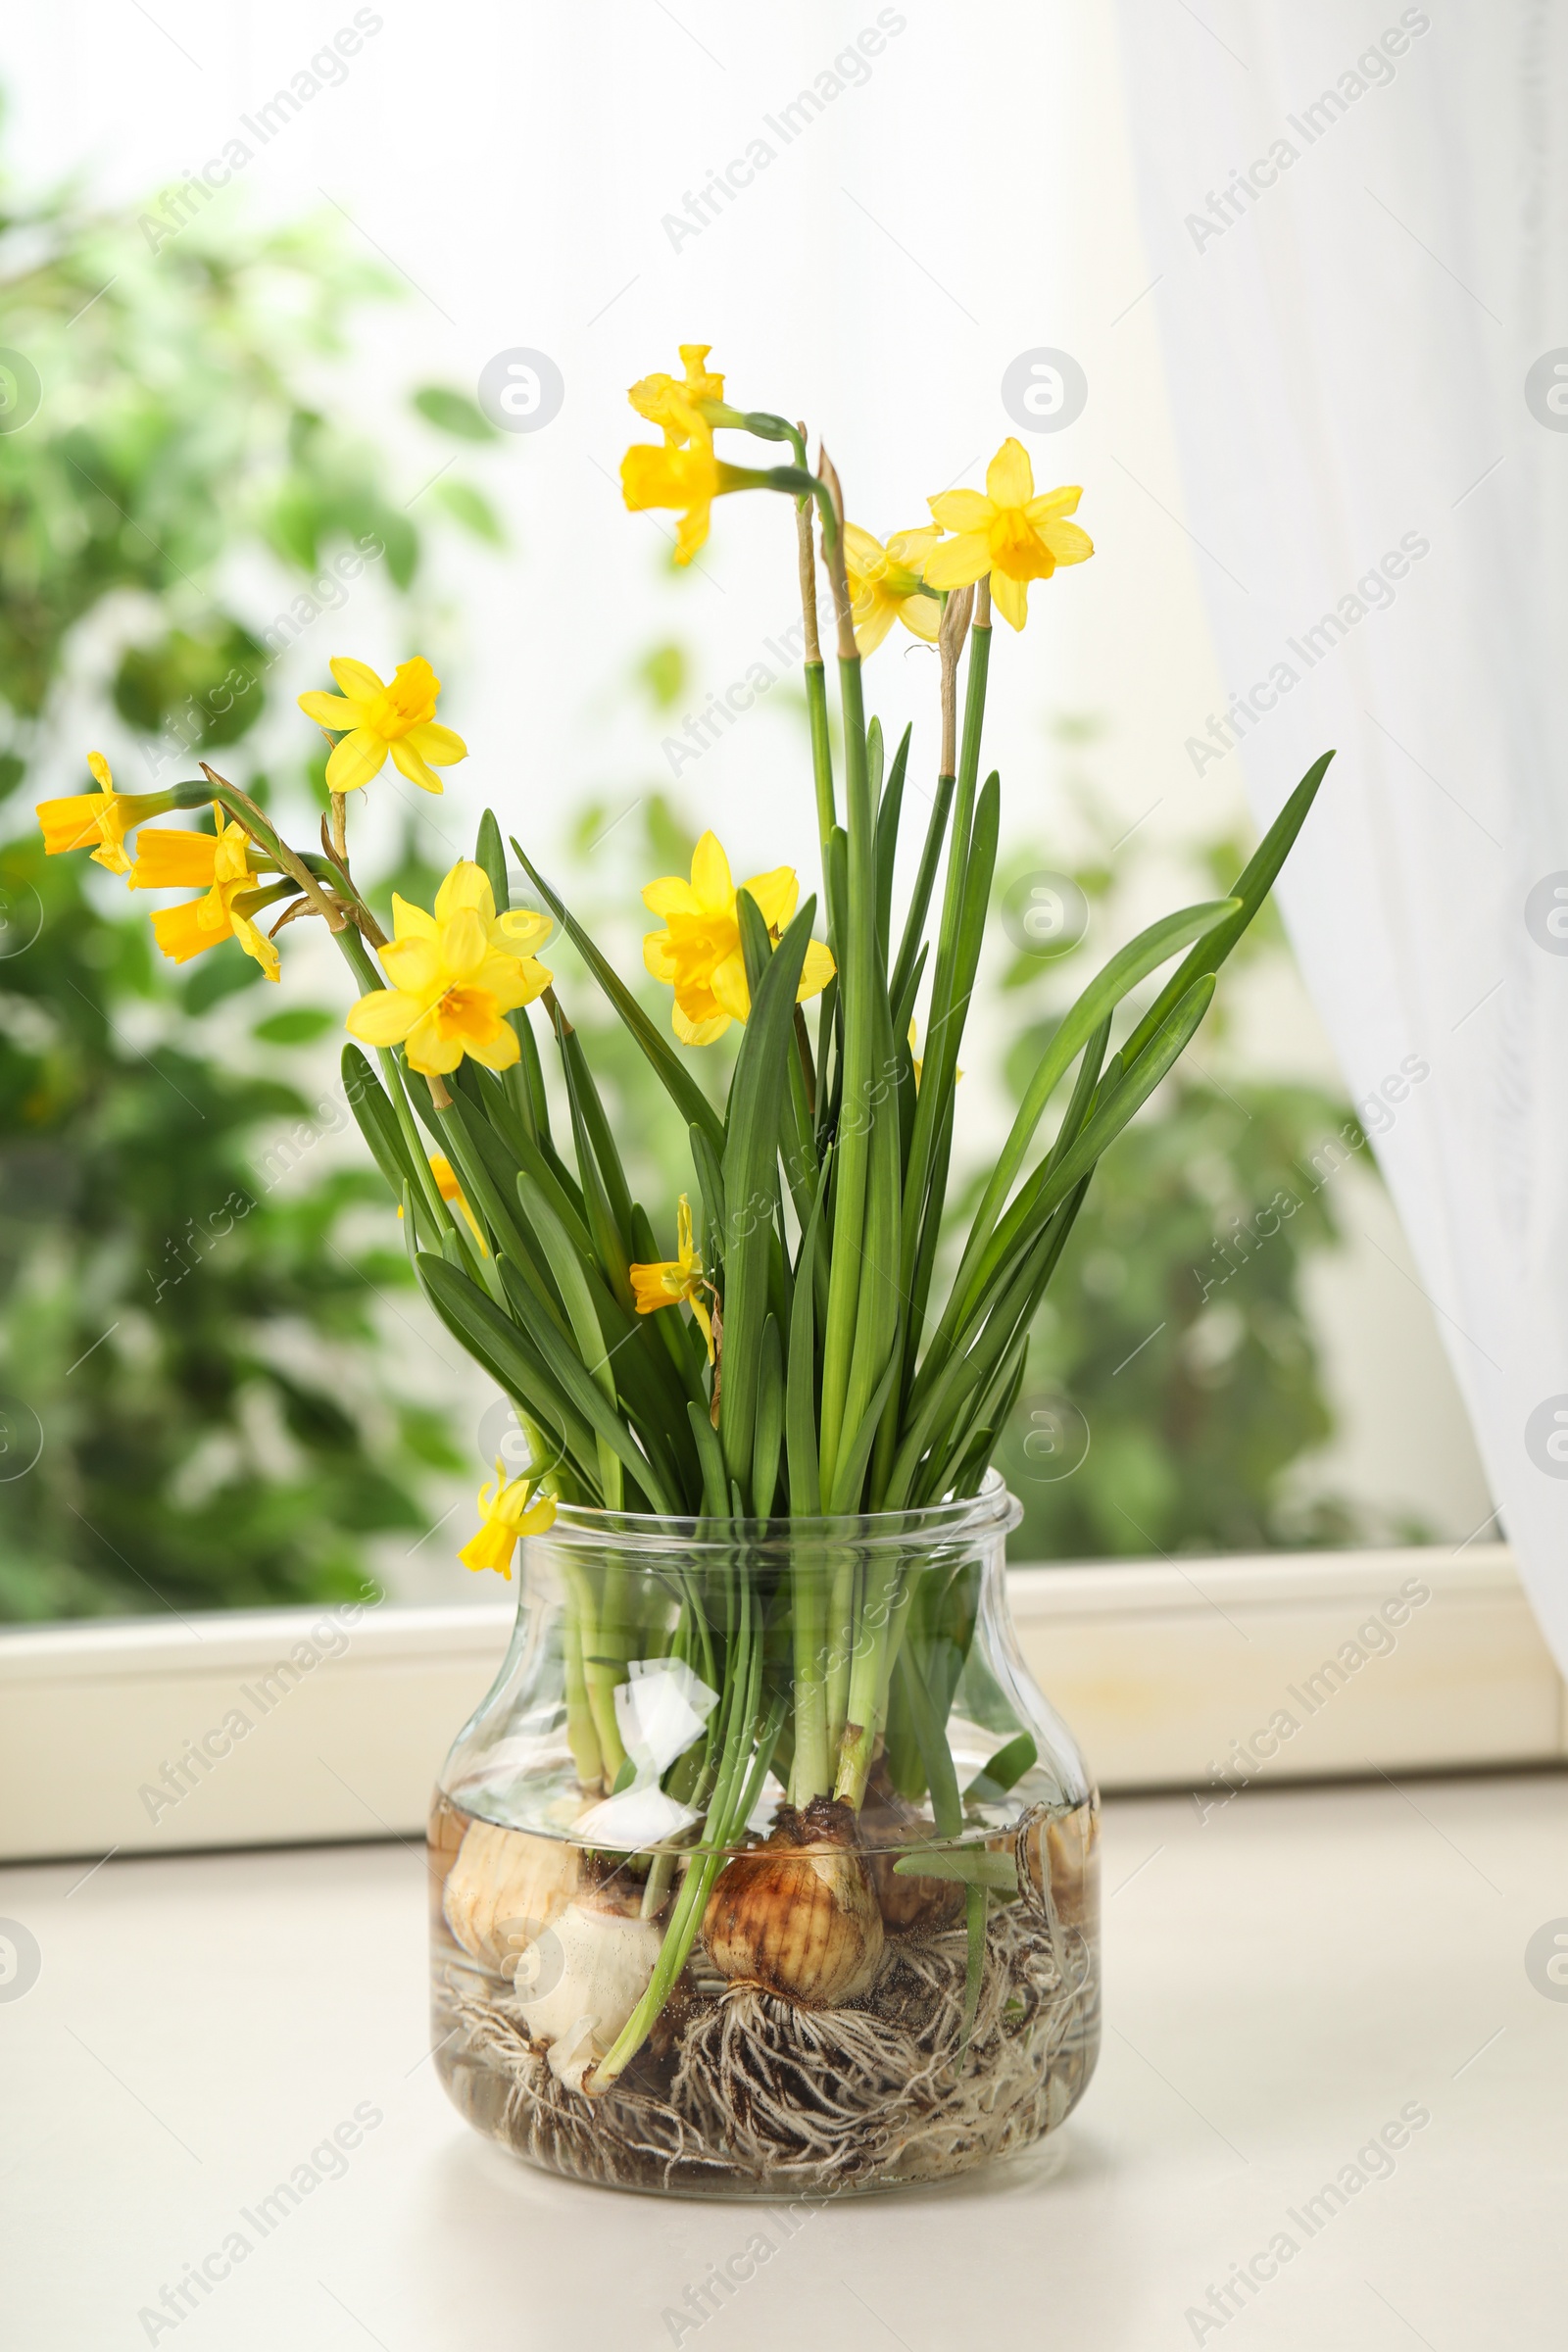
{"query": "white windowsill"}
[(1158, 1668)]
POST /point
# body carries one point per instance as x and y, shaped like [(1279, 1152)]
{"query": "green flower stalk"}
[(790, 1363)]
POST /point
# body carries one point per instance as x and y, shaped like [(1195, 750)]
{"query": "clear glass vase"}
[(698, 1927)]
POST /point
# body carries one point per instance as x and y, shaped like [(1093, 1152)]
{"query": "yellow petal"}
[(921, 615), (464, 943), (98, 769), (409, 921), (869, 632), (430, 1050), (728, 983), (333, 710), (358, 680), (1010, 599), (816, 972), (523, 930), (960, 509), (355, 758), (911, 548), (955, 562), (659, 957), (409, 764), (711, 877), (467, 884), (778, 893), (1067, 542), (181, 932), (863, 553), (697, 1033), (384, 1017), (497, 1052), (1009, 476), (257, 946), (1053, 503), (416, 964), (670, 895), (166, 859), (438, 744)]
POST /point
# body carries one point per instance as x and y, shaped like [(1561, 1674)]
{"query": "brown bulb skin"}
[(798, 1917)]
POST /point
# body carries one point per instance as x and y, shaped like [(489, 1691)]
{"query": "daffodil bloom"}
[(885, 585), (447, 1185), (1008, 534), (455, 976), (687, 480), (676, 405), (700, 952), (676, 1279), (220, 860), (104, 816), (508, 1510), (371, 720)]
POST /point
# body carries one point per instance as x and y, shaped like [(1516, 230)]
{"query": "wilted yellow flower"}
[(105, 817), (676, 1279), (374, 719), (455, 976), (700, 952), (885, 584), (685, 479), (220, 860), (1008, 534), (507, 1512), (447, 1185), (674, 405)]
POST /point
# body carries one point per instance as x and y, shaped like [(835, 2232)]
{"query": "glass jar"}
[(764, 1867)]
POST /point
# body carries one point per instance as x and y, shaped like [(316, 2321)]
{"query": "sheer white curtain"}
[(1355, 219)]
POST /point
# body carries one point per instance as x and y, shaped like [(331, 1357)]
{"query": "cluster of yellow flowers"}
[(1007, 534), (456, 973)]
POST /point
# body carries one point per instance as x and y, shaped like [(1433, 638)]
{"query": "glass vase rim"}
[(993, 1511)]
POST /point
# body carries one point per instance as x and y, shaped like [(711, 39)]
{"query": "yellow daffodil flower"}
[(885, 584), (508, 1510), (455, 976), (371, 720), (105, 817), (685, 479), (675, 406), (447, 1185), (1008, 534), (676, 1279), (170, 860), (700, 953)]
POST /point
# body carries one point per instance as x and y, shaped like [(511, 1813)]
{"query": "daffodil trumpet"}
[(809, 1337)]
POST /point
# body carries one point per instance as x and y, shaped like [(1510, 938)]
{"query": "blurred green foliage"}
[(1174, 1382), (193, 1410)]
